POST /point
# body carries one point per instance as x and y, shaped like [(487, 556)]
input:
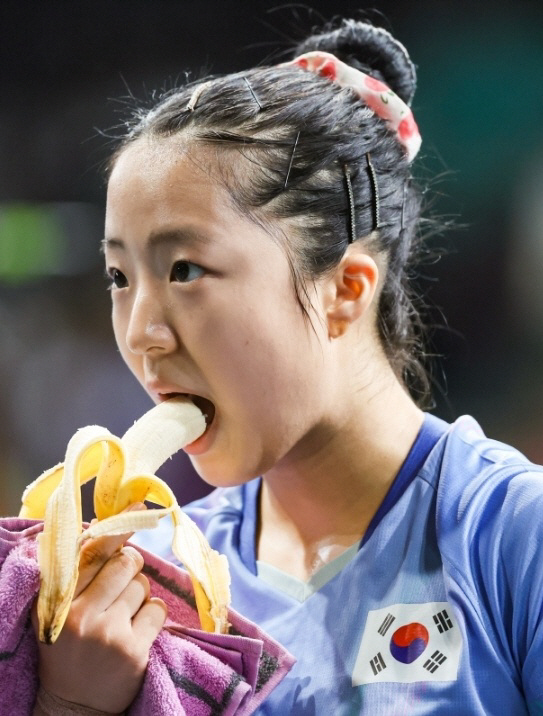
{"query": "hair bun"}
[(370, 49)]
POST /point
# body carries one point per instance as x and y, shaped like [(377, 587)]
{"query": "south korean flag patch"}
[(404, 643)]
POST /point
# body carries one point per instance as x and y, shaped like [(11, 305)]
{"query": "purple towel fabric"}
[(189, 672)]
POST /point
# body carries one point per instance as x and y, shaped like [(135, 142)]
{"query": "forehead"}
[(164, 181), (164, 188), (166, 168)]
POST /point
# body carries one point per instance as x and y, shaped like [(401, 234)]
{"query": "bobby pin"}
[(403, 206), (375, 192), (251, 90), (196, 95), (291, 160)]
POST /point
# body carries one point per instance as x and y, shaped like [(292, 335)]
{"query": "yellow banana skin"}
[(124, 470)]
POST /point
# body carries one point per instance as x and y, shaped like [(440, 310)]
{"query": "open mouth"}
[(205, 405)]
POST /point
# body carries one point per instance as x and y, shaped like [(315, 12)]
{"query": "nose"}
[(149, 329)]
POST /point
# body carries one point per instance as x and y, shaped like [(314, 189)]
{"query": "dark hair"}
[(298, 131)]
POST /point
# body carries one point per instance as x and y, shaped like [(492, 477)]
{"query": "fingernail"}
[(136, 506), (133, 553)]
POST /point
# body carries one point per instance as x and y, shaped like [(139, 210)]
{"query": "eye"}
[(186, 271), (117, 278)]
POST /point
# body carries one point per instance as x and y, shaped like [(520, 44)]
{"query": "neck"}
[(327, 491)]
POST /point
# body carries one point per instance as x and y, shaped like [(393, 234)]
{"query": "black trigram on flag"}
[(434, 662), (377, 664), (442, 621), (387, 621)]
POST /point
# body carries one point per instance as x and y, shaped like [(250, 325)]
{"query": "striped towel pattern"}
[(189, 672)]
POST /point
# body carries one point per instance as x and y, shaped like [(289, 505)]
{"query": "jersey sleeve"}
[(520, 569), (491, 524)]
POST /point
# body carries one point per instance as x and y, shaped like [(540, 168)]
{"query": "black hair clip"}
[(350, 196)]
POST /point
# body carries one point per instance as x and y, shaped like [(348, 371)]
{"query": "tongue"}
[(206, 406)]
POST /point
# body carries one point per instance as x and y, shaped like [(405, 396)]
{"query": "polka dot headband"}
[(375, 94)]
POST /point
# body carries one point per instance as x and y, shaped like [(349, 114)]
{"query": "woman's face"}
[(204, 304)]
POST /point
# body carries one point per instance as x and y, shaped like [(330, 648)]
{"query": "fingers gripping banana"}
[(124, 470)]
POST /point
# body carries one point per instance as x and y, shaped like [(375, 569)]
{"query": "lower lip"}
[(201, 444)]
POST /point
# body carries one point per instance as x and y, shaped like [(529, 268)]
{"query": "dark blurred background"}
[(66, 69)]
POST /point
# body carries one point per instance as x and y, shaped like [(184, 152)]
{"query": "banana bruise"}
[(124, 470)]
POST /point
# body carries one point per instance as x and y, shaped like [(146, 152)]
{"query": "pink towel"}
[(190, 671)]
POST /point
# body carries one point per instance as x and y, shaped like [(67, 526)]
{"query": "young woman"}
[(258, 232)]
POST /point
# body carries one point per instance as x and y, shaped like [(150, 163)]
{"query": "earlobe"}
[(353, 287), (337, 328)]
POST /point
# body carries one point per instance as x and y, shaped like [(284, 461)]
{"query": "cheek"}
[(265, 355), (119, 330)]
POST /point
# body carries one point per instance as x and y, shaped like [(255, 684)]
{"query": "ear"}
[(351, 290)]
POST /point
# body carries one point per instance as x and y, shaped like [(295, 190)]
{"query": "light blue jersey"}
[(438, 611)]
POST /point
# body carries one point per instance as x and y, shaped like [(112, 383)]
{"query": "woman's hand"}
[(100, 657)]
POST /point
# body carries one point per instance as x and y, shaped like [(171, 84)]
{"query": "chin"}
[(223, 475)]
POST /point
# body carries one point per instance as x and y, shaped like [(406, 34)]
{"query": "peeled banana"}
[(124, 470)]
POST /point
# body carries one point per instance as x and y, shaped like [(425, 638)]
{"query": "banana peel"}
[(124, 470)]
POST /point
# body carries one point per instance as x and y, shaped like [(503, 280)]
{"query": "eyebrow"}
[(172, 237)]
